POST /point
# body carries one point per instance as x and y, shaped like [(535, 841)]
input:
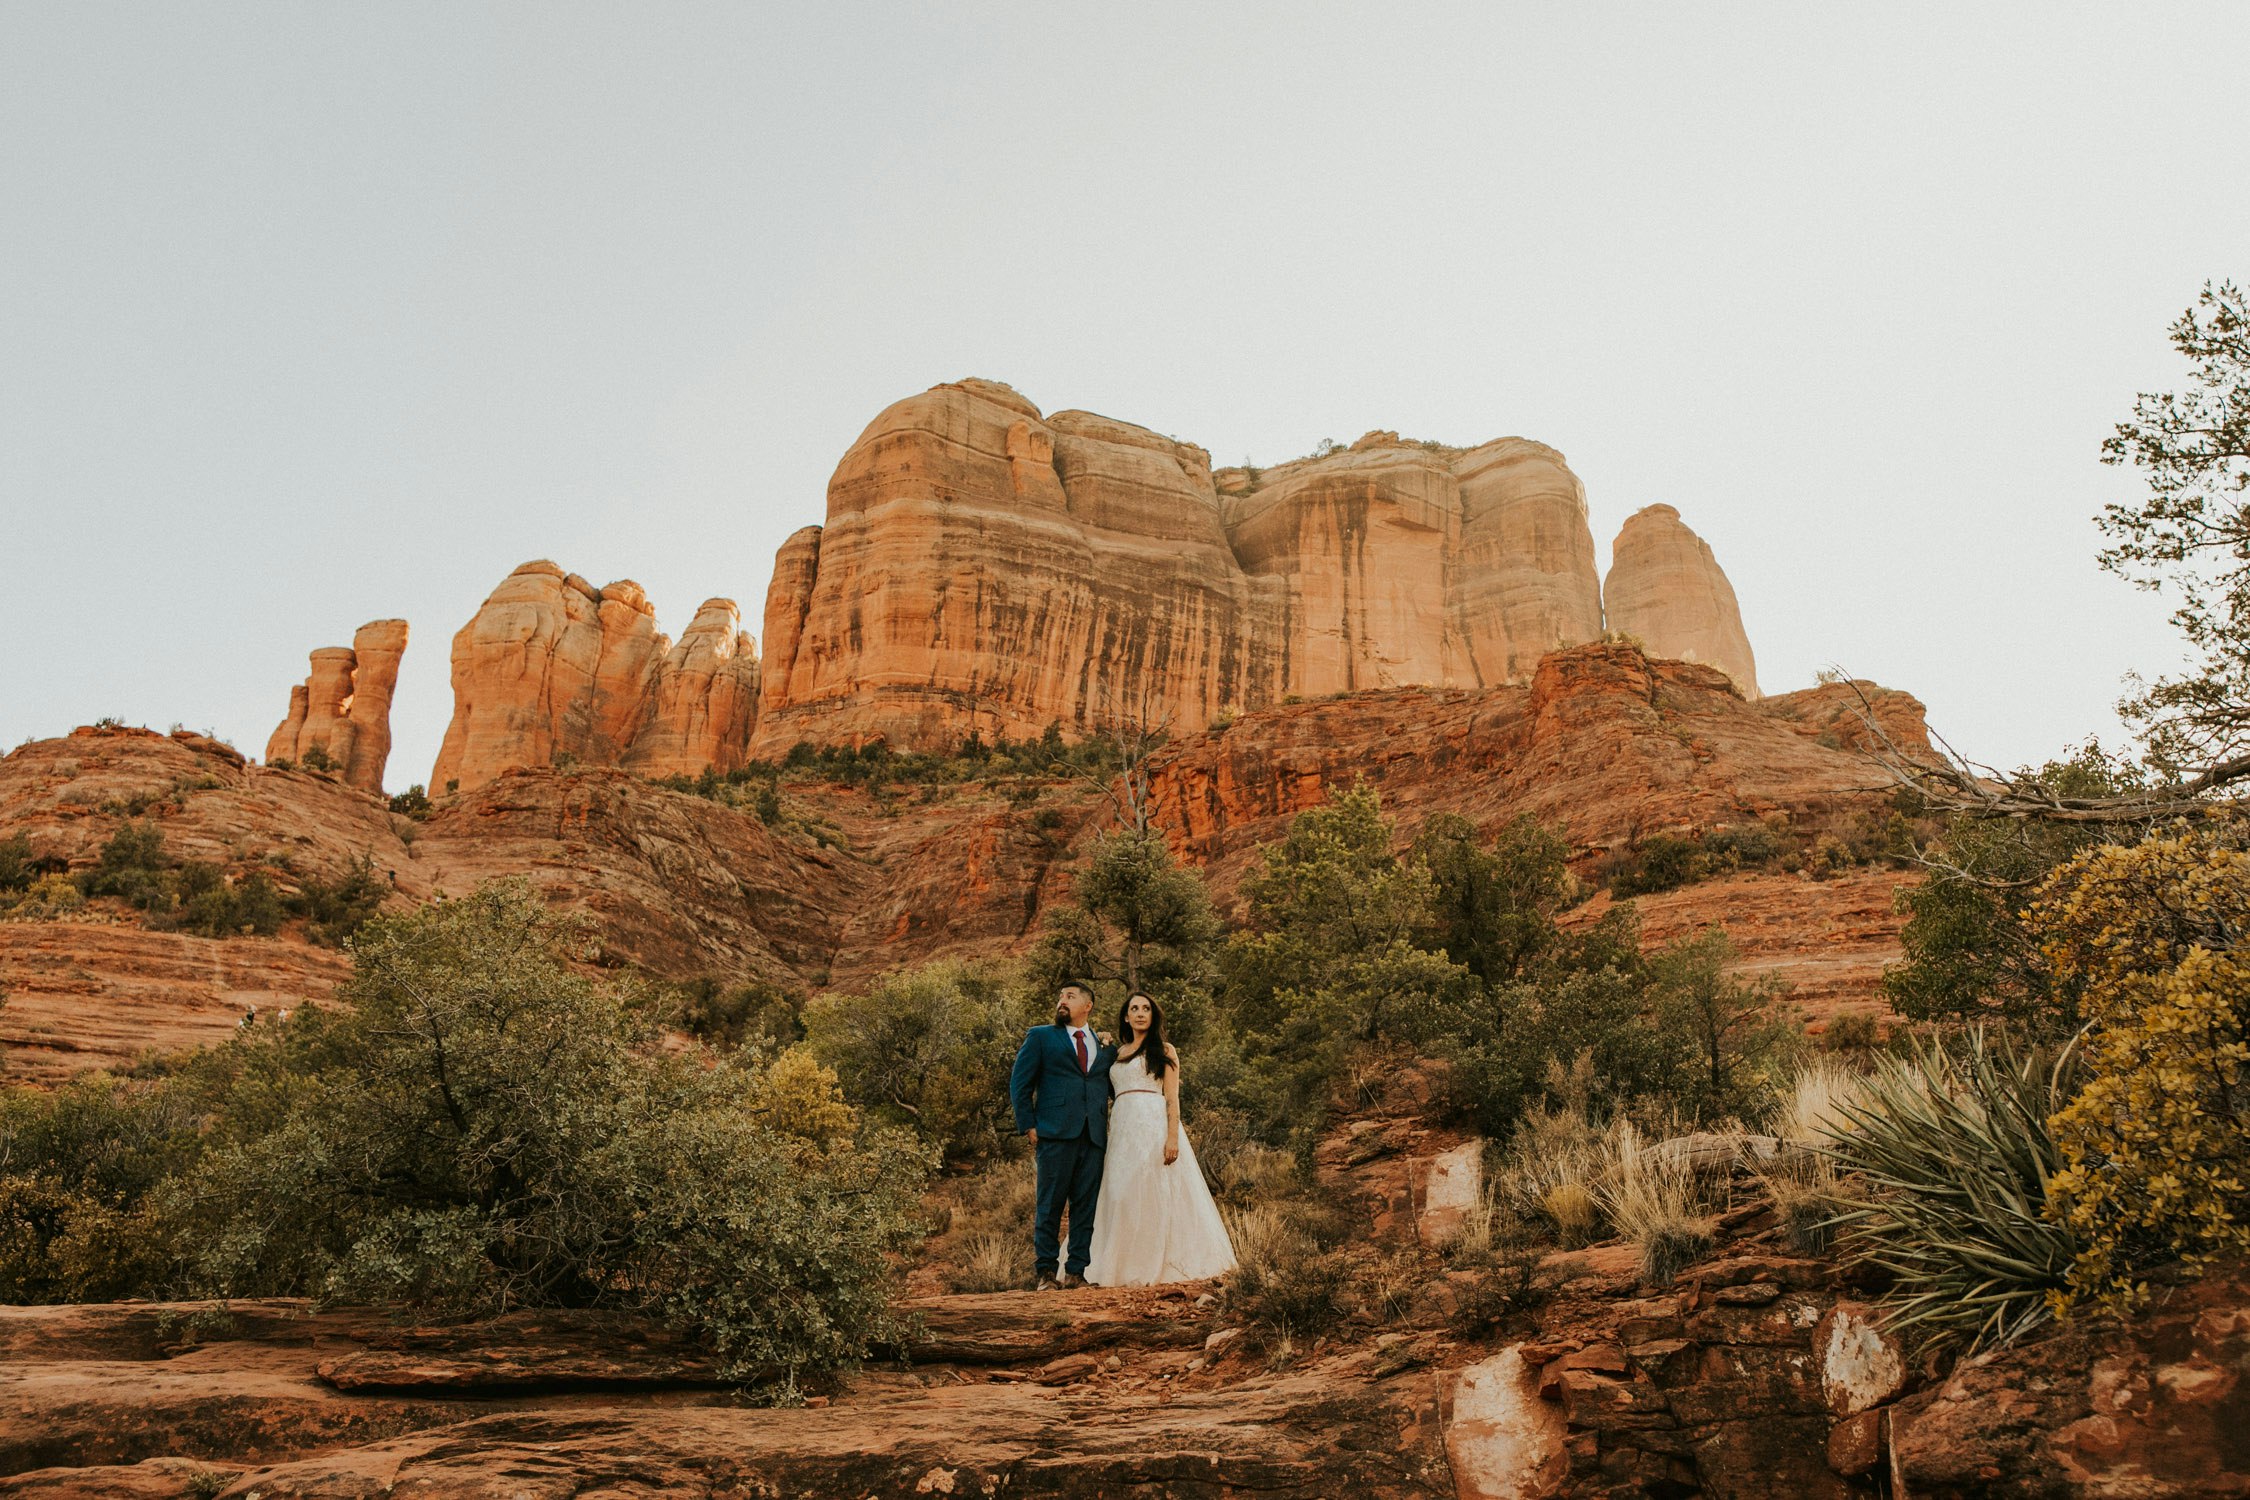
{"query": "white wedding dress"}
[(1153, 1223)]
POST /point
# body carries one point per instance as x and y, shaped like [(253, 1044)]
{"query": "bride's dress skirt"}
[(1153, 1223)]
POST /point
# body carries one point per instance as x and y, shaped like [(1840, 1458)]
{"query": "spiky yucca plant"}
[(1954, 1155)]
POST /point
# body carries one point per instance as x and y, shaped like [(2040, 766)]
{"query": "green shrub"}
[(17, 863), (414, 802), (752, 1014), (2156, 1145), (1663, 863), (1968, 953), (479, 1128), (132, 865), (1953, 1156), (929, 1048), (336, 909)]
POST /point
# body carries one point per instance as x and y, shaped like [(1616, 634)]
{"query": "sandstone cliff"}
[(1667, 590), (555, 671), (706, 699), (987, 567), (344, 707), (1611, 746)]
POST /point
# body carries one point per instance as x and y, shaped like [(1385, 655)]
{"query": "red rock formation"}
[(1609, 745), (1668, 591), (987, 568), (706, 699), (553, 671), (344, 708)]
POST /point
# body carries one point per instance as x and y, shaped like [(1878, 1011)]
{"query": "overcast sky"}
[(311, 315)]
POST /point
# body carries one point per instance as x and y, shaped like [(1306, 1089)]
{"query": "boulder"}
[(2153, 1405), (1861, 1363), (1667, 590)]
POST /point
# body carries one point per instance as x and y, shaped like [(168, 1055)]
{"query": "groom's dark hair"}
[(1062, 1014)]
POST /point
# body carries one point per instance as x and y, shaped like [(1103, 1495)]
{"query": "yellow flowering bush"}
[(2156, 1146)]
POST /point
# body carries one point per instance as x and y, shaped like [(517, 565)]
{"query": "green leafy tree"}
[(1341, 930), (1493, 910), (1135, 917), (2190, 536), (1968, 952), (1731, 1035), (929, 1048), (481, 1128)]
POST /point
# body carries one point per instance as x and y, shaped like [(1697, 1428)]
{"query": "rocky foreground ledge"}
[(1754, 1375)]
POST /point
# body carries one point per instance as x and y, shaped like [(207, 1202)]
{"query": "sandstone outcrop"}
[(706, 699), (554, 671), (848, 884), (988, 568), (343, 708), (1667, 590)]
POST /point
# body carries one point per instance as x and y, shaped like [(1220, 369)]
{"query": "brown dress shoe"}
[(1046, 1284), (1072, 1279)]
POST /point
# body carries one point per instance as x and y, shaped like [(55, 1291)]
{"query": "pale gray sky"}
[(315, 314)]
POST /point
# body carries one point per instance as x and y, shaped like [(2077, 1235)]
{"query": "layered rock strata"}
[(1667, 590), (985, 567), (553, 671), (343, 708)]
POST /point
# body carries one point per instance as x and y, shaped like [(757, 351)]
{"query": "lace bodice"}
[(1131, 1076)]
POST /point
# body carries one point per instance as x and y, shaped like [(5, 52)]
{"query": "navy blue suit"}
[(1069, 1107)]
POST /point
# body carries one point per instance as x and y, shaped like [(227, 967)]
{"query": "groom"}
[(1060, 1091)]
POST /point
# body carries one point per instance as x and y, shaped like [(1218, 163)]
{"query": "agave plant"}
[(1953, 1153)]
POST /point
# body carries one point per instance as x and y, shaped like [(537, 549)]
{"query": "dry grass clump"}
[(1552, 1165), (1287, 1281), (1653, 1197), (1801, 1178), (989, 1248)]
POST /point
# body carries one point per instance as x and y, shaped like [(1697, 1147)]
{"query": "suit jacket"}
[(1050, 1095)]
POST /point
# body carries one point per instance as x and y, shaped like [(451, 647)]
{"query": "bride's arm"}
[(1171, 1106)]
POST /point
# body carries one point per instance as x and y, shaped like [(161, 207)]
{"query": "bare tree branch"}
[(1948, 781)]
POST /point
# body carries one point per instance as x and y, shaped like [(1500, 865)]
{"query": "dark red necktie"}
[(1080, 1038)]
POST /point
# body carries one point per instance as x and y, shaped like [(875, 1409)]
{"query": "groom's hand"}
[(1032, 1135)]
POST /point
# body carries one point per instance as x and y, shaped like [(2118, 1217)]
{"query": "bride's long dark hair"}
[(1152, 1044)]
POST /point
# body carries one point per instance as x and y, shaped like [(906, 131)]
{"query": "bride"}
[(1155, 1220)]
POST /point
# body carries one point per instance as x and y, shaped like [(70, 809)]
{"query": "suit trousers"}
[(1069, 1172)]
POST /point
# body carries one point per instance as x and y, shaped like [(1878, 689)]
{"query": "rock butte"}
[(1666, 589), (344, 708), (987, 568), (553, 671)]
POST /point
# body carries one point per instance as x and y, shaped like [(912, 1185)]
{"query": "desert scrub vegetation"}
[(1950, 1158), (1667, 861), (929, 1049), (986, 1246), (999, 762), (476, 1128), (196, 896), (2155, 1147)]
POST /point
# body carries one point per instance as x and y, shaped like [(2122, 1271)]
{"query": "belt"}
[(1121, 1093)]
